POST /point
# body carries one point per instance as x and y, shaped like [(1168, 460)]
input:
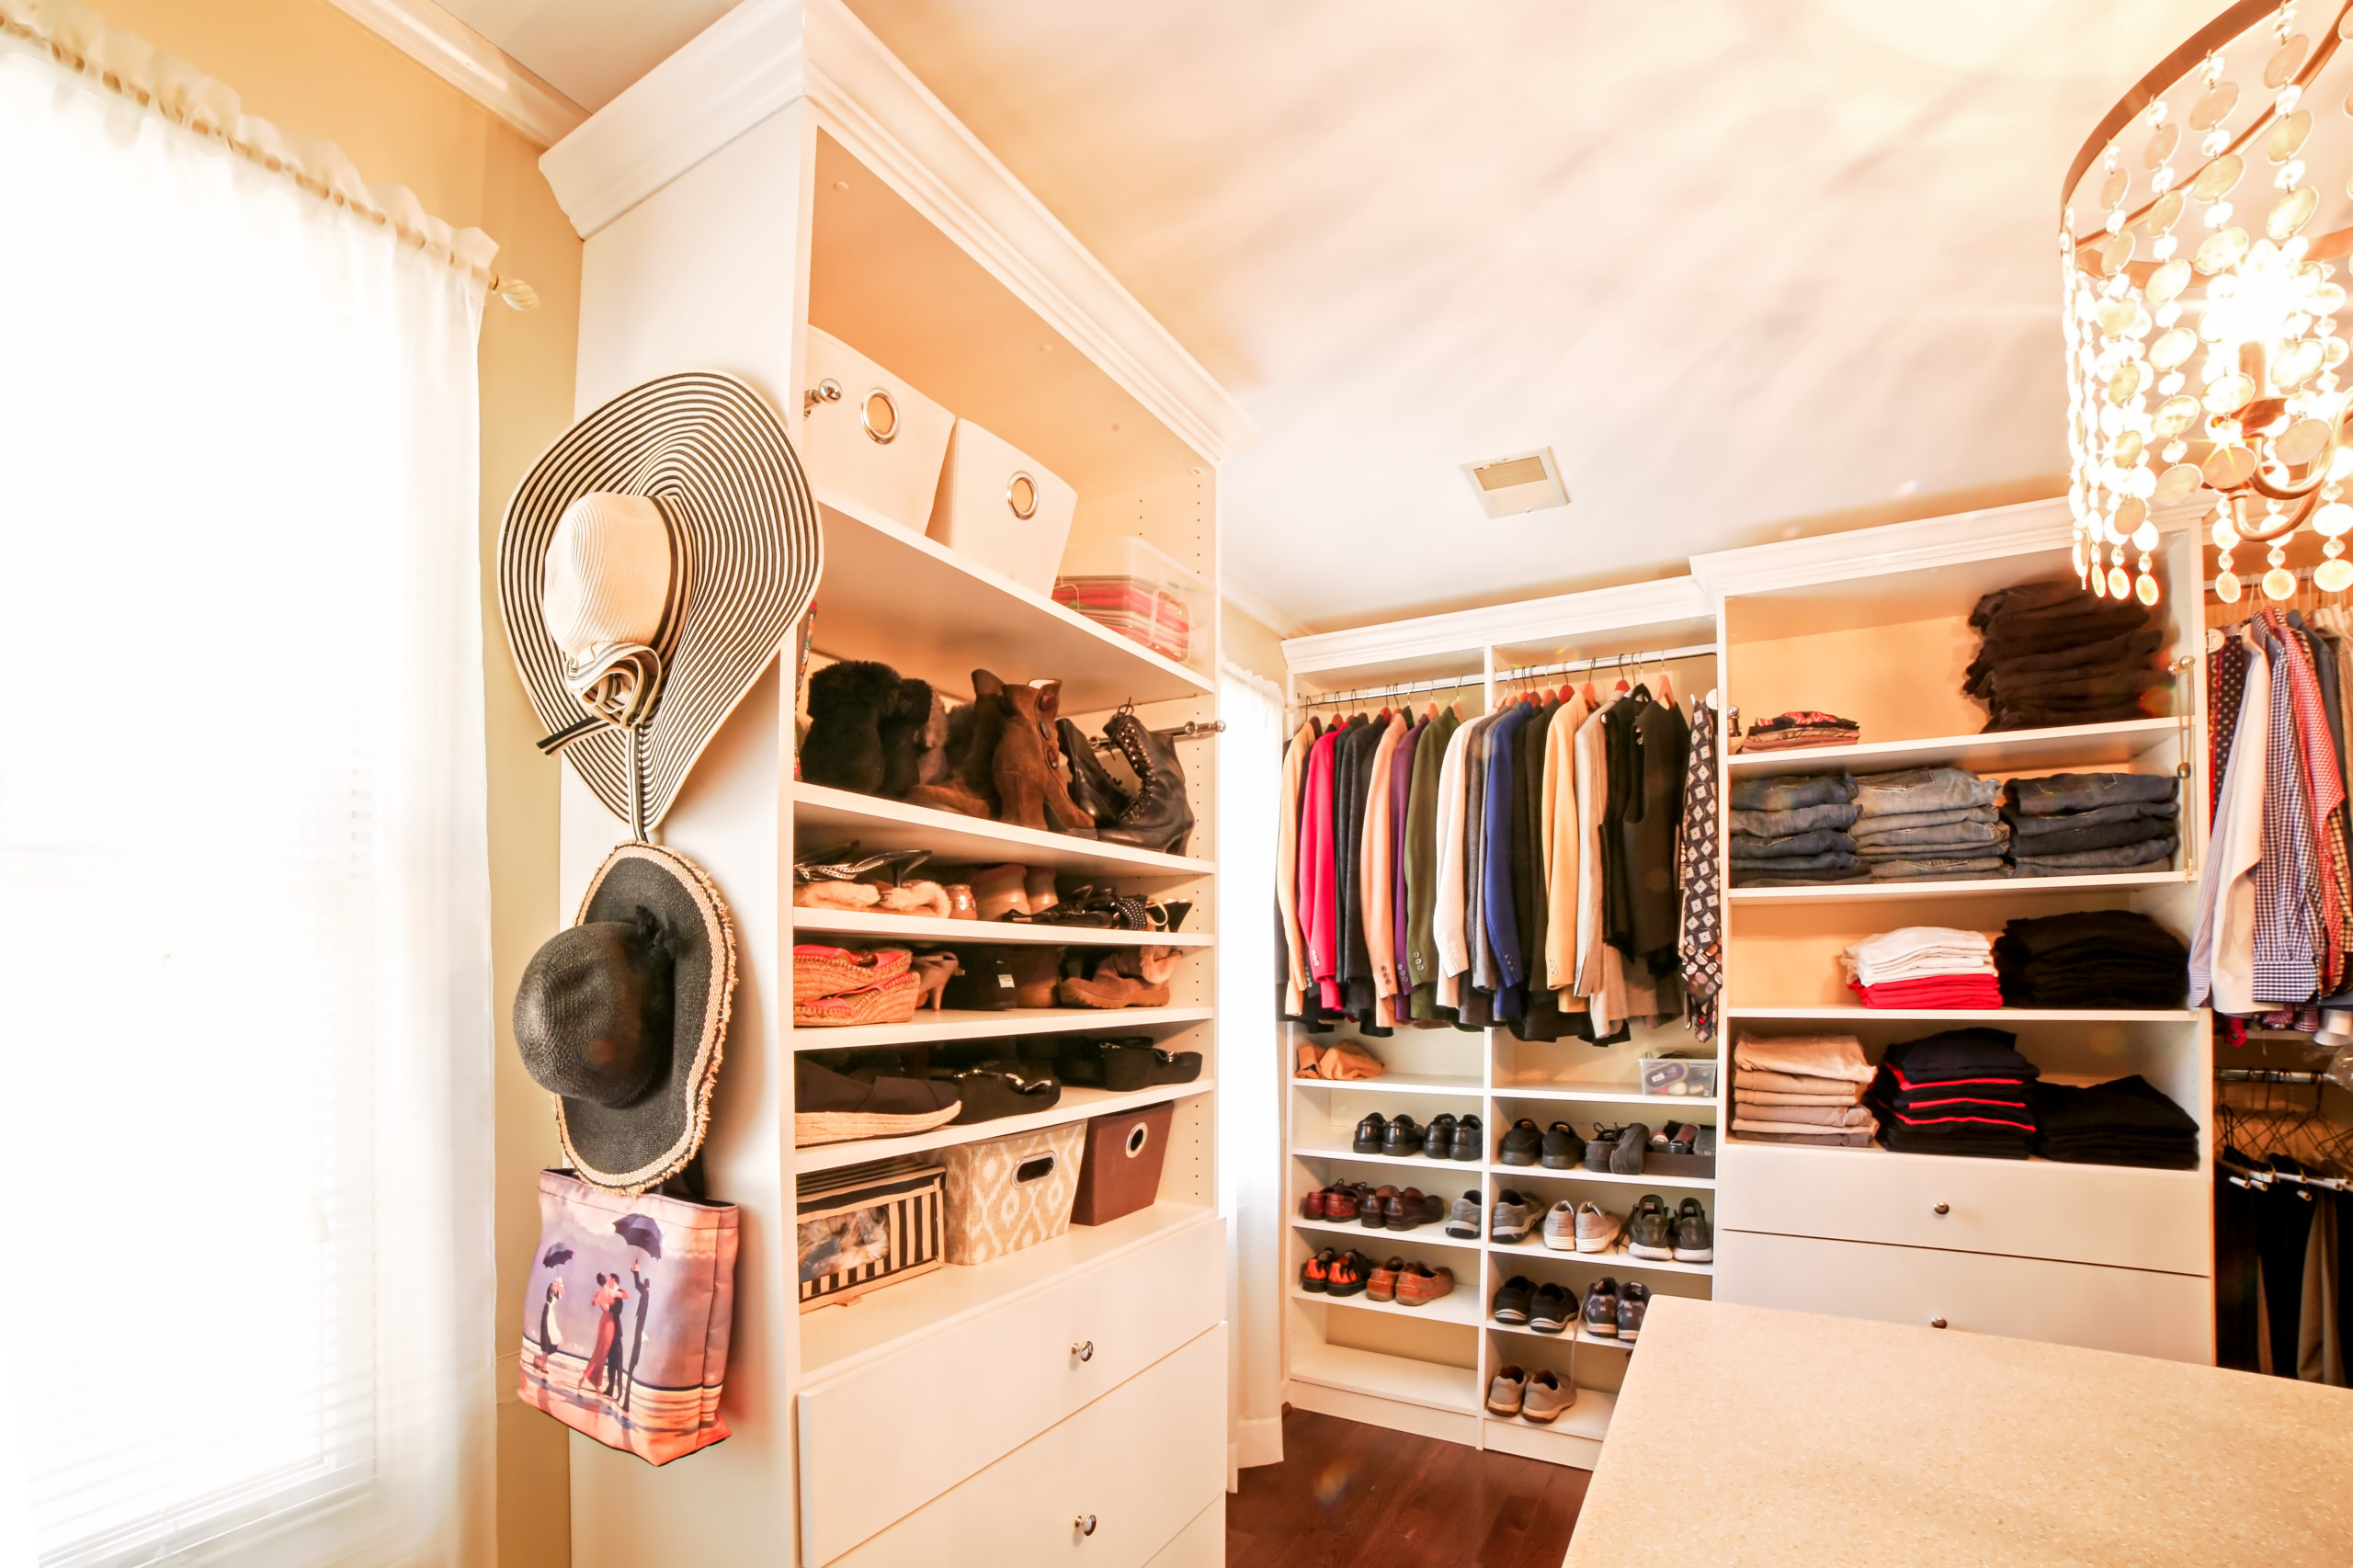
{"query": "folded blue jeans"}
[(1923, 790), (1893, 822), (2025, 827), (1950, 835), (1920, 870), (2087, 791), (1793, 819), (1782, 791), (1836, 861), (1821, 841), (2150, 853)]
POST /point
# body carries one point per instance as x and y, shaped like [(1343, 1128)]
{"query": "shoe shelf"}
[(822, 817), (1420, 1162), (1617, 1259), (1507, 1174), (865, 923), (1596, 1095), (1430, 1384), (951, 1023), (1459, 1306), (1860, 892), (1832, 1011), (1399, 1083), (1582, 1336), (1571, 1440), (941, 616), (870, 1327), (1384, 1241), (1076, 1105), (2002, 753)]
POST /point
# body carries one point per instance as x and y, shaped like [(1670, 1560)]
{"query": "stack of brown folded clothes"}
[(2055, 653), (1804, 1089), (1960, 1092), (1801, 728)]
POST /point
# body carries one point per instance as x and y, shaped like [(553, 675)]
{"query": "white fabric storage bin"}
[(1002, 509), (870, 435)]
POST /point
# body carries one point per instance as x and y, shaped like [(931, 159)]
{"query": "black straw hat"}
[(623, 1017)]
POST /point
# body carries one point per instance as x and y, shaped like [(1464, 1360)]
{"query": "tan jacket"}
[(1286, 870), (1563, 844), (1376, 879)]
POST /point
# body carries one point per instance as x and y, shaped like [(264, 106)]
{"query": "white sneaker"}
[(1561, 1226), (1596, 1229)]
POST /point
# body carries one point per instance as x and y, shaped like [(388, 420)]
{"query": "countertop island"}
[(1749, 1435)]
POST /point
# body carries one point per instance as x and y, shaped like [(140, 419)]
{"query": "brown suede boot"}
[(1035, 971), (974, 732), (1030, 792), (1110, 990)]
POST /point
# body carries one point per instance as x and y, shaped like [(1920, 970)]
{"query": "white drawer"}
[(2109, 1214), (1139, 1464), (1200, 1544), (880, 1440), (2129, 1310)]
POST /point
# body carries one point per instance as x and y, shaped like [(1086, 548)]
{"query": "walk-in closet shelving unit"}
[(1426, 1369), (781, 172), (1873, 625)]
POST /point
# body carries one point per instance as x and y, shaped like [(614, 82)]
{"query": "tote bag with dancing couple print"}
[(626, 1318)]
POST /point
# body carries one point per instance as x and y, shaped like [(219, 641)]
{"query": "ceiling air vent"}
[(1528, 482)]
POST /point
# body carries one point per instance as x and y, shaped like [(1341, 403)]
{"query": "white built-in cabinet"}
[(1872, 625), (1066, 1402)]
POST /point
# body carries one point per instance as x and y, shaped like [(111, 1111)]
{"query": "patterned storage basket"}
[(1011, 1193), (868, 1225)]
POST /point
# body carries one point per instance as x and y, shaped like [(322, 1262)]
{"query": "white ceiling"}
[(1740, 263)]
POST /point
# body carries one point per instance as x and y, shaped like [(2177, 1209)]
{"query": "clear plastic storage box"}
[(1139, 592)]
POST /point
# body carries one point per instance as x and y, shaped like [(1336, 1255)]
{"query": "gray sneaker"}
[(1626, 1156), (1561, 1226), (1512, 1218), (1653, 1232), (1633, 1300), (1509, 1389), (1695, 1239), (1462, 1221), (1547, 1396), (1602, 1308), (1598, 1229)]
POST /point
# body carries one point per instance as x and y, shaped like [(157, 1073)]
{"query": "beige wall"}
[(306, 66), (1250, 642)]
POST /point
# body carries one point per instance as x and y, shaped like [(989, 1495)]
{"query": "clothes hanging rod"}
[(1608, 661), (2269, 1076), (1366, 694)]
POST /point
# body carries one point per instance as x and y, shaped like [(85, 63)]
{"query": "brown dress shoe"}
[(1373, 1212), (1380, 1285), (1404, 1210), (1421, 1284)]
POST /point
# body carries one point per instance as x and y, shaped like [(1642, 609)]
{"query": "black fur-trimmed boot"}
[(1160, 817), (848, 705)]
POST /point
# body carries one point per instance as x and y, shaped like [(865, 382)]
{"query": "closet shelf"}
[(1616, 1258), (1076, 1105), (1749, 1147), (877, 1324), (1422, 1161), (1588, 1419), (1399, 1083), (1460, 1308), (1428, 1383), (1648, 1178), (891, 594), (1607, 1342), (1385, 1242), (1849, 1014), (1577, 1094), (1851, 892), (951, 1024), (2000, 754), (822, 818), (868, 923)]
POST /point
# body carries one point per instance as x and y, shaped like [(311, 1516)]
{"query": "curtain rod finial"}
[(518, 295)]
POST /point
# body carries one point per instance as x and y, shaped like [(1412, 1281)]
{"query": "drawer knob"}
[(1083, 1351), (1083, 1524), (1944, 1208), (1935, 1322)]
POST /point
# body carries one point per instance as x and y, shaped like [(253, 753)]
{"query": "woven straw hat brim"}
[(630, 1148), (713, 454)]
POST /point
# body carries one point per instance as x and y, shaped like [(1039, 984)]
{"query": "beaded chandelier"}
[(2202, 298)]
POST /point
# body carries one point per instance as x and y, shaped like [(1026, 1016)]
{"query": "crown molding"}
[(890, 122), (1926, 542), (472, 64), (1559, 617), (1262, 610), (734, 73)]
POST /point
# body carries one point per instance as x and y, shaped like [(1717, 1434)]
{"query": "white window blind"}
[(243, 898)]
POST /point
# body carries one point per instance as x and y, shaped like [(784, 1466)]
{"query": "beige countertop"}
[(1749, 1435)]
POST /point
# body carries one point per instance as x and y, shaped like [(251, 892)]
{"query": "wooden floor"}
[(1352, 1496)]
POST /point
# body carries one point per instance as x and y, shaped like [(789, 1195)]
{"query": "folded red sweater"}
[(1975, 991)]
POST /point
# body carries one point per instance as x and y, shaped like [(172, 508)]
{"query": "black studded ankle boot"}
[(1160, 817), (1091, 784)]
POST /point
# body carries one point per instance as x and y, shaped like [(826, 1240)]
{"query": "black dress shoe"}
[(1560, 1149), (1437, 1139), (1369, 1132), (1521, 1144), (1403, 1137), (1469, 1140)]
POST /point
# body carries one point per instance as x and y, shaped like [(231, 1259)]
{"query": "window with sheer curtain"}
[(243, 941)]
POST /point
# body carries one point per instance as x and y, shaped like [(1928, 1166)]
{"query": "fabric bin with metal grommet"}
[(1122, 1171), (1003, 508), (868, 436)]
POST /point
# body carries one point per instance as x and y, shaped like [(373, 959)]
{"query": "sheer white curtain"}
[(1250, 1076), (244, 885)]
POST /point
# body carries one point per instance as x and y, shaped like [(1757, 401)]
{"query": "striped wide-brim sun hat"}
[(746, 553)]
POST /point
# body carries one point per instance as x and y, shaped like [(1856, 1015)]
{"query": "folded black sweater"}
[(1958, 1053)]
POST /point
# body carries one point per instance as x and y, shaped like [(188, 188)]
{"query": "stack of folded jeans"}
[(1806, 727), (1960, 1092), (2098, 958), (2074, 824), (1792, 828), (2054, 654), (1928, 823), (1806, 1089), (1924, 966), (2126, 1123)]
